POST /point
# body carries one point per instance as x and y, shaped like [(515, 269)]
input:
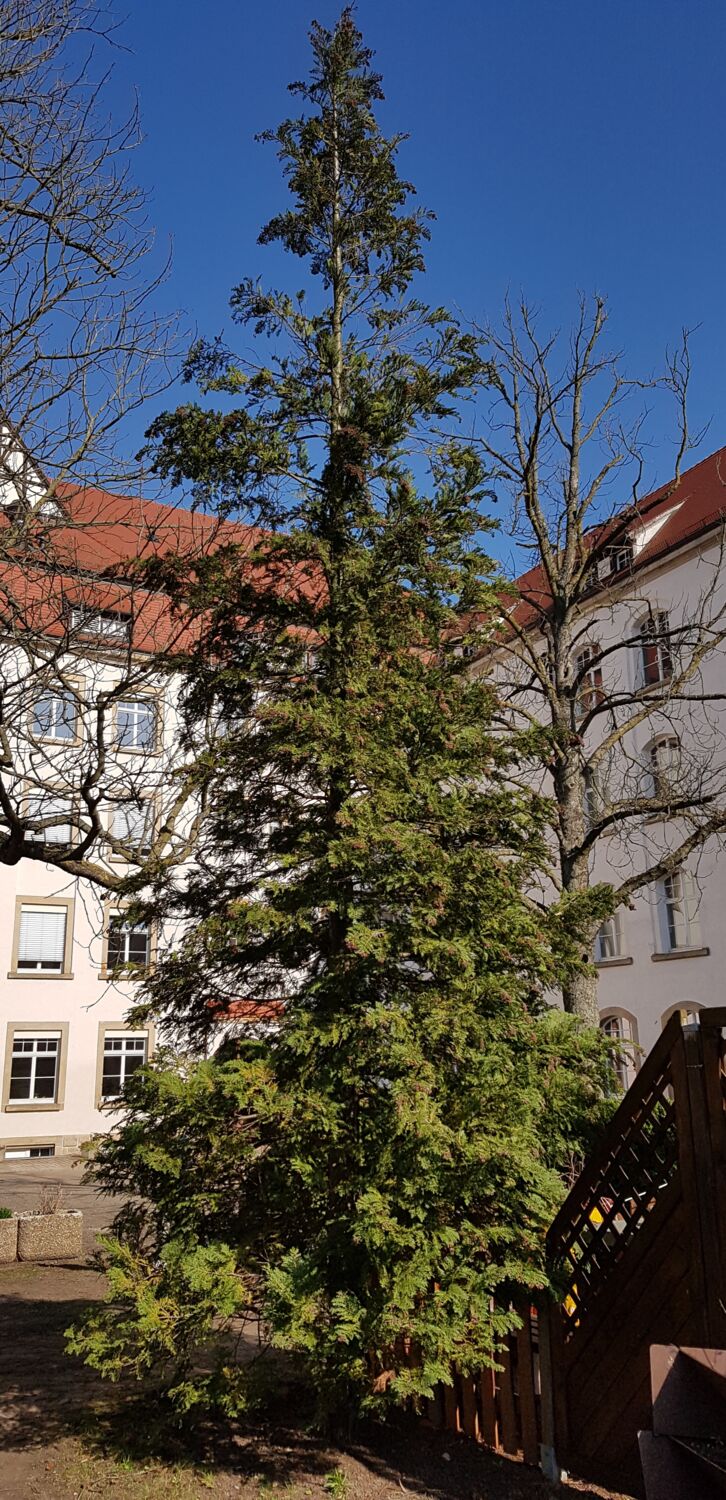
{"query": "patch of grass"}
[(336, 1484), (269, 1488), (125, 1478)]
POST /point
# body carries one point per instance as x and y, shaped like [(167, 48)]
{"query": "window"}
[(123, 1053), (688, 1013), (621, 1029), (655, 649), (621, 557), (132, 826), (55, 717), (42, 936), (127, 945), (592, 802), (665, 764), (678, 901), (110, 623), (50, 816), (135, 724), (34, 1068), (27, 1153), (590, 690), (608, 943)]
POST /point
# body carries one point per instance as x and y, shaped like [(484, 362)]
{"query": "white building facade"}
[(648, 653), (67, 956)]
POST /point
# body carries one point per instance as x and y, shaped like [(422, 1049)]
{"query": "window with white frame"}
[(34, 1067), (27, 1153), (588, 671), (621, 557), (131, 826), (609, 941), (128, 945), (101, 623), (135, 724), (592, 805), (123, 1053), (678, 909), (688, 1012), (665, 764), (620, 1029), (50, 817), (656, 654), (41, 939), (55, 717)]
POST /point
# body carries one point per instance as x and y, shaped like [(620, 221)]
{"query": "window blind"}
[(42, 936)]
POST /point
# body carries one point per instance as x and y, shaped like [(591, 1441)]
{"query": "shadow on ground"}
[(48, 1398)]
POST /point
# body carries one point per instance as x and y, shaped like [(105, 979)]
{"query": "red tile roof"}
[(105, 536), (694, 507), (90, 557)]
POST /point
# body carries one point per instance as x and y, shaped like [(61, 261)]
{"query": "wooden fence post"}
[(548, 1449), (700, 1145)]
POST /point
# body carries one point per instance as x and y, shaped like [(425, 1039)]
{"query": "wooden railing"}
[(638, 1254), (638, 1251), (620, 1186)]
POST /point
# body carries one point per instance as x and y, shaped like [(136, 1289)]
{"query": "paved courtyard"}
[(21, 1183)]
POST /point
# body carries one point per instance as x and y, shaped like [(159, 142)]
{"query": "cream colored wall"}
[(86, 1001), (645, 987), (651, 986), (83, 1003)]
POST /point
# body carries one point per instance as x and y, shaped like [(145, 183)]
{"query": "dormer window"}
[(102, 624), (621, 557)]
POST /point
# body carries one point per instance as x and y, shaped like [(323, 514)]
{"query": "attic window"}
[(621, 557), (108, 624), (614, 560)]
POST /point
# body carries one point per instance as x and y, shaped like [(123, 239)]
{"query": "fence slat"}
[(509, 1435), (527, 1400), (435, 1407), (469, 1414), (489, 1433), (451, 1407)]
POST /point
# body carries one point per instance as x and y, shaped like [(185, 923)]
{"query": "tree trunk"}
[(579, 997)]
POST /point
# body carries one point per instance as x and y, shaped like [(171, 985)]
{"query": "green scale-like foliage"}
[(383, 1163)]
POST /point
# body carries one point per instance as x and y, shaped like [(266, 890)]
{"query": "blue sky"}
[(564, 145)]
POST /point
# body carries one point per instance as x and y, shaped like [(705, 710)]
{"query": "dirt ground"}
[(65, 1435)]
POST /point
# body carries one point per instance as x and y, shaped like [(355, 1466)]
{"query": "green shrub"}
[(5, 1213)]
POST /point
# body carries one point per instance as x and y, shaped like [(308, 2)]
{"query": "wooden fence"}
[(639, 1252), (640, 1249), (500, 1408)]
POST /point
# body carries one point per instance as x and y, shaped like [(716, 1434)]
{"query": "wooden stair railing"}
[(638, 1251), (620, 1184)]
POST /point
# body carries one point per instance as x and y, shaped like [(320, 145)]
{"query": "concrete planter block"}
[(8, 1241), (51, 1236)]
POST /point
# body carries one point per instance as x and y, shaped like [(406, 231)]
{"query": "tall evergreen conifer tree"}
[(383, 1161)]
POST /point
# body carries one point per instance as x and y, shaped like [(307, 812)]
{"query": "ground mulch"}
[(65, 1435)]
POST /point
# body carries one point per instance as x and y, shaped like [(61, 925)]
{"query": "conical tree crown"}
[(367, 856)]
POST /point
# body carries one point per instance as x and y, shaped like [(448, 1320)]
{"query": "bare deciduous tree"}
[(85, 644), (80, 342), (617, 692)]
